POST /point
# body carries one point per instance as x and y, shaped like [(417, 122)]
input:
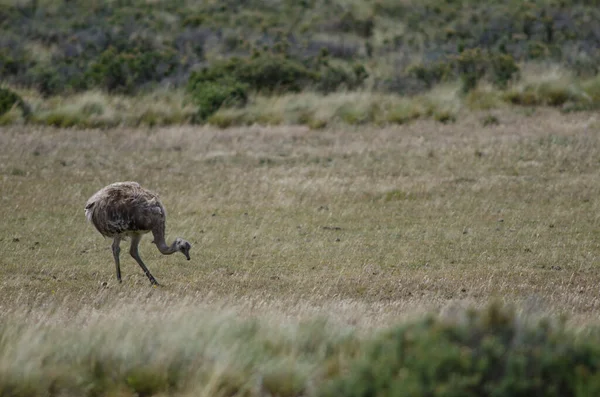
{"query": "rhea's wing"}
[(124, 207)]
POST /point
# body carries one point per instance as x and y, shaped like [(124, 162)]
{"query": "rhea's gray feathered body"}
[(126, 210)]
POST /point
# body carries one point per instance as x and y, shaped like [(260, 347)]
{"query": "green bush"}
[(548, 93), (351, 24), (430, 74), (471, 66), (9, 65), (332, 78), (491, 353), (503, 69), (125, 72), (210, 96), (46, 80), (8, 99), (277, 74), (266, 73)]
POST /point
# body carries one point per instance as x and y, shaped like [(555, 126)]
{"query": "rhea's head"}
[(183, 246)]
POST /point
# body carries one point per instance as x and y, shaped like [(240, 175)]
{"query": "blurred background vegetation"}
[(226, 54)]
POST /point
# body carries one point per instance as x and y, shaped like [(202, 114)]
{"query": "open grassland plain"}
[(307, 246)]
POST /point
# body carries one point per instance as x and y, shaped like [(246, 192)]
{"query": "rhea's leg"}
[(135, 241), (116, 249)]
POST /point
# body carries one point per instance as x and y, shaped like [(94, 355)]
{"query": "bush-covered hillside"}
[(122, 46), (126, 47)]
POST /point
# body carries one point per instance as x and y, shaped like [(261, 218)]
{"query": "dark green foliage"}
[(8, 99), (266, 73), (489, 354), (430, 74), (46, 79), (210, 95), (125, 72), (537, 50), (269, 73), (331, 78), (471, 66), (227, 82), (63, 46), (10, 64), (362, 27), (503, 69), (273, 73)]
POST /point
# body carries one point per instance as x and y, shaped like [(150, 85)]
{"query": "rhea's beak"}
[(186, 250)]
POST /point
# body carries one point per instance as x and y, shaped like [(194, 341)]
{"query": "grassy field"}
[(305, 242)]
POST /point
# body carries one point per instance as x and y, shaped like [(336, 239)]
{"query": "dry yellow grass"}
[(304, 243), (366, 224)]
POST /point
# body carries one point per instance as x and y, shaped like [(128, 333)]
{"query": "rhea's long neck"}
[(159, 240)]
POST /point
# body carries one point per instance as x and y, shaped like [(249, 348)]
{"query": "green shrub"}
[(125, 72), (547, 93), (430, 74), (274, 73), (9, 99), (537, 50), (267, 73), (209, 96), (277, 74), (9, 65), (332, 78), (471, 66), (490, 353), (352, 24), (46, 80), (503, 69)]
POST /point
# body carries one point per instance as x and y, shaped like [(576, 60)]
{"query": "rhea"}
[(125, 210)]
